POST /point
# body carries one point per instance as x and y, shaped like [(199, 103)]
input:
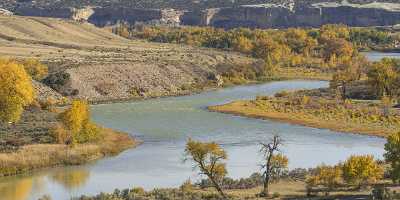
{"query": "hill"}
[(89, 62)]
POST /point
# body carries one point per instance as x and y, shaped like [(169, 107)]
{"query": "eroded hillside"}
[(92, 63)]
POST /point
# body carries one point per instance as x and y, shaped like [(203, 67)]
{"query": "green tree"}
[(362, 170), (392, 155), (16, 90), (208, 158)]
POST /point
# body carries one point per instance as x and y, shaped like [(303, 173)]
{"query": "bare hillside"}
[(93, 63)]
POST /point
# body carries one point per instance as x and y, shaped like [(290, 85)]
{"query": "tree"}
[(208, 157), (35, 68), (329, 177), (16, 90), (242, 44), (299, 41), (392, 156), (348, 70), (77, 120), (362, 170), (383, 76), (274, 163)]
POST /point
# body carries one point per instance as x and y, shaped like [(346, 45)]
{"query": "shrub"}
[(60, 135), (35, 68)]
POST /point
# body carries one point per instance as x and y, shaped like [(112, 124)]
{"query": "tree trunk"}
[(218, 188), (265, 192)]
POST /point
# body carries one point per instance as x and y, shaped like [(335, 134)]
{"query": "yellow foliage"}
[(243, 44), (77, 120), (327, 176), (362, 170), (16, 90), (208, 157)]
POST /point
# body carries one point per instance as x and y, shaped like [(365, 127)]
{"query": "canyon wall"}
[(252, 16)]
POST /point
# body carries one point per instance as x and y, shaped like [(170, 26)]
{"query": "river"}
[(165, 124)]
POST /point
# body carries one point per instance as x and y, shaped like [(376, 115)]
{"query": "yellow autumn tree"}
[(208, 158), (362, 170), (242, 44), (383, 76), (16, 90), (76, 119)]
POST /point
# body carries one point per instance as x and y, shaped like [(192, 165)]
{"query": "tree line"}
[(209, 158)]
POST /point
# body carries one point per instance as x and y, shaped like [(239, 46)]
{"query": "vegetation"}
[(30, 157), (274, 165), (208, 158), (362, 170), (38, 138), (363, 117), (320, 51), (77, 121), (16, 90), (356, 170), (392, 156)]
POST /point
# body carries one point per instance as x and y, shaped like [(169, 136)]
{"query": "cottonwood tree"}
[(208, 158), (77, 120), (348, 70), (362, 170), (275, 162), (383, 76), (16, 90), (392, 156)]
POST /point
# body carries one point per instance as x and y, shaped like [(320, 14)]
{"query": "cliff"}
[(314, 15), (269, 15)]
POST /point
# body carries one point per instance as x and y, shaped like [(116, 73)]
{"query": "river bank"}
[(360, 117), (38, 156)]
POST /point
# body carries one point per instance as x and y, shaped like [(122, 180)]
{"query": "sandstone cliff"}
[(268, 15)]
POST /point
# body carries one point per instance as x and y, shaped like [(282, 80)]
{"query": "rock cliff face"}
[(279, 16), (271, 15)]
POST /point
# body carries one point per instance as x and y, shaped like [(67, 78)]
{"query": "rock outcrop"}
[(289, 15), (270, 15), (5, 12)]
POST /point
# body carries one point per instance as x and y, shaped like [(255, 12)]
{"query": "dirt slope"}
[(102, 66)]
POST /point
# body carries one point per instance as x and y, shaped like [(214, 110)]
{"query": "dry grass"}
[(309, 117), (37, 156)]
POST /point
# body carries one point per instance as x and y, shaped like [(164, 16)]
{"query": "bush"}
[(35, 68), (60, 135)]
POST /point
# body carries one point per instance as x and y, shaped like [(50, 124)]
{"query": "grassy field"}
[(36, 156), (319, 112)]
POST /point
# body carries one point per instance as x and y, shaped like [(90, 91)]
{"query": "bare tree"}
[(274, 162)]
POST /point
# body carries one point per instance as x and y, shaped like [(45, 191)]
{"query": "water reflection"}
[(71, 178), (19, 189)]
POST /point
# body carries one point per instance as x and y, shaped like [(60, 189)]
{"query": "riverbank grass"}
[(36, 156), (319, 112)]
